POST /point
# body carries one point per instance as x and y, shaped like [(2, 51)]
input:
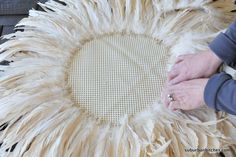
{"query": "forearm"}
[(224, 46), (220, 93)]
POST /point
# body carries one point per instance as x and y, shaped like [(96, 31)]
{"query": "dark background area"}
[(12, 11)]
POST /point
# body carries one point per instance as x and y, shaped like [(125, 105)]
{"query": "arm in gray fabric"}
[(224, 46), (220, 91)]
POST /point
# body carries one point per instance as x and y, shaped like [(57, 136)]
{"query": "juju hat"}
[(85, 76)]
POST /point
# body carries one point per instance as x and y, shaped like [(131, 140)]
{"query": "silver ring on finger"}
[(170, 97)]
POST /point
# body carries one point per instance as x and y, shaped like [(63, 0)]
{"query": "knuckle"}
[(170, 73), (186, 70), (181, 56)]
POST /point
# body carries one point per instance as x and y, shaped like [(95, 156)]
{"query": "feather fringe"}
[(37, 114)]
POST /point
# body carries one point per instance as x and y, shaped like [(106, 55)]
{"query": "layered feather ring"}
[(48, 109)]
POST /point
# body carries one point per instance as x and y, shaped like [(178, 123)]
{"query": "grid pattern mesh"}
[(117, 75)]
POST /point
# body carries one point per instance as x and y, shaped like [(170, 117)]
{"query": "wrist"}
[(204, 83), (214, 60)]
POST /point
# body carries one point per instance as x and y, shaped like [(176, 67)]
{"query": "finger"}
[(180, 58), (164, 95), (174, 105), (173, 73), (177, 88), (165, 99), (177, 79)]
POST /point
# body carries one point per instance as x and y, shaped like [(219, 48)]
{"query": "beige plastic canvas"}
[(119, 74), (87, 76)]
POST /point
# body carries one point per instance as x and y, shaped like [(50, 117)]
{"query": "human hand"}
[(186, 95), (193, 66)]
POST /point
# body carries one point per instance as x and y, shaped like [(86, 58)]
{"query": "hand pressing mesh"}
[(187, 80)]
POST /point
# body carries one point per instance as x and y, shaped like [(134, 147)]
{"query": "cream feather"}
[(36, 103)]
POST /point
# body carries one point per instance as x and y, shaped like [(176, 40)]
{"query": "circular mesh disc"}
[(117, 75)]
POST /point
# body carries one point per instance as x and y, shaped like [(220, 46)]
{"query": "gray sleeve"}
[(224, 45), (220, 93)]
